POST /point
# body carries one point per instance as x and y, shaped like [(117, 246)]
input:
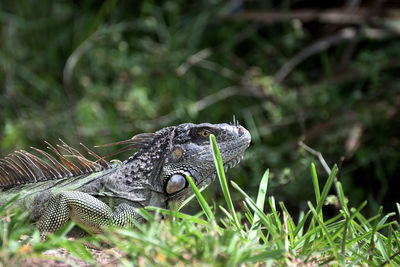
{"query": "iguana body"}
[(95, 194)]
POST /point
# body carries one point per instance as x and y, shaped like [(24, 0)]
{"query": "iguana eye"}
[(176, 183), (205, 133)]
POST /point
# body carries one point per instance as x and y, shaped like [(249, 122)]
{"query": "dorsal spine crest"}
[(22, 167)]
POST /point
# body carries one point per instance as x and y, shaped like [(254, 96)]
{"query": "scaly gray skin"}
[(153, 176)]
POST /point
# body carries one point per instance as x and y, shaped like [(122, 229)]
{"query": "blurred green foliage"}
[(101, 71)]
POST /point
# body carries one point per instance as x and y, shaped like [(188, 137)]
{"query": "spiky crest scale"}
[(21, 167)]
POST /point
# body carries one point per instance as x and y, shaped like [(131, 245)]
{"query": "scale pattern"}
[(85, 210), (22, 167)]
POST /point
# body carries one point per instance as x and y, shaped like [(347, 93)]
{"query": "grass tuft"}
[(258, 233)]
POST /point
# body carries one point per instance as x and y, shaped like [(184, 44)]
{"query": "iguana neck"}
[(139, 175)]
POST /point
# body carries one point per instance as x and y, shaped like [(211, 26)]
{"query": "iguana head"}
[(189, 153), (157, 172)]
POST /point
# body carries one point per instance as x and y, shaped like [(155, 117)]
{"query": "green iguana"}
[(98, 193)]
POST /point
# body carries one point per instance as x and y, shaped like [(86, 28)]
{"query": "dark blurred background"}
[(324, 72)]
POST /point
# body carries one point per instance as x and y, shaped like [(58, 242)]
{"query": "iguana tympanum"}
[(98, 193)]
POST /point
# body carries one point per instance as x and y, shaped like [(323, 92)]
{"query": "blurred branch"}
[(349, 75), (345, 35), (199, 59), (318, 155), (333, 16), (215, 97), (74, 58), (88, 43), (224, 71), (193, 60), (321, 45), (212, 99), (351, 14), (93, 35), (373, 10), (322, 161), (351, 5), (354, 139)]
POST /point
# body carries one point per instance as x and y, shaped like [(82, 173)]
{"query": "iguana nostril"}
[(241, 131)]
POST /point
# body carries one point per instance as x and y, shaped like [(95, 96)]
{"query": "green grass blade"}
[(78, 250), (190, 198), (272, 228), (342, 199), (316, 186), (262, 192), (249, 213), (227, 214), (374, 229), (289, 222), (300, 226), (9, 203), (203, 203), (222, 180), (263, 256), (326, 189), (278, 222), (344, 238), (325, 229), (184, 216)]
